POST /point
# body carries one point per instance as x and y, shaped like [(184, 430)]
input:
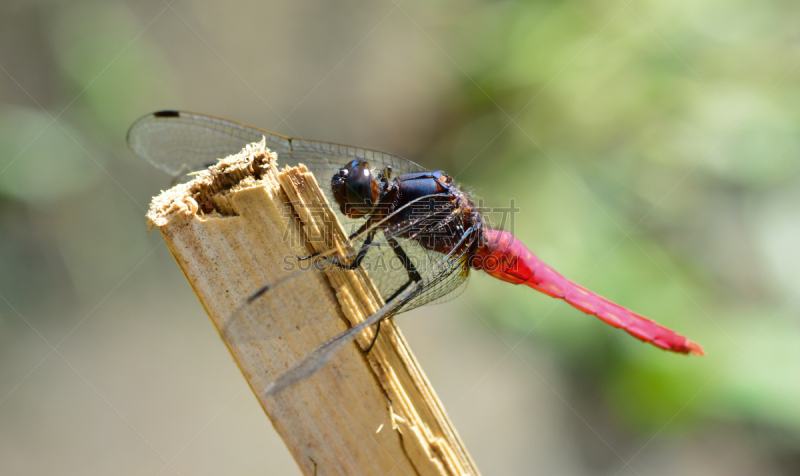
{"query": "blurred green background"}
[(652, 147)]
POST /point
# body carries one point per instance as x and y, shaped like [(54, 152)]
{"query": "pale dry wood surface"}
[(239, 226)]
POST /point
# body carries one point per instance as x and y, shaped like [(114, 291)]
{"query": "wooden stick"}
[(240, 225)]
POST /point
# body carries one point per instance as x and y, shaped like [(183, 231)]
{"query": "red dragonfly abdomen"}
[(504, 257)]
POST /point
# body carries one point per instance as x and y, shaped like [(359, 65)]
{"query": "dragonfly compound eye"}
[(355, 188)]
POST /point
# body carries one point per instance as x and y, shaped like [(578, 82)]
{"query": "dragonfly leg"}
[(413, 276), (359, 231), (329, 260), (378, 327), (358, 259), (303, 258), (374, 338)]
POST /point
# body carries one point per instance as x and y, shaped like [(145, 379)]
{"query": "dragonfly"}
[(398, 209)]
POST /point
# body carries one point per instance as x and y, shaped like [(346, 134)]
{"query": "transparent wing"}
[(337, 155), (440, 275), (322, 354), (443, 282), (180, 142), (447, 275), (443, 276)]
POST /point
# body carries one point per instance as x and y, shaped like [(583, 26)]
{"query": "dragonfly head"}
[(355, 188)]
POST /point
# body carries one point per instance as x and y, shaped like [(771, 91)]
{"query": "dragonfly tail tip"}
[(695, 349)]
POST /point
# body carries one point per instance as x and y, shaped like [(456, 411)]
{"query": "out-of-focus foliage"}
[(654, 151)]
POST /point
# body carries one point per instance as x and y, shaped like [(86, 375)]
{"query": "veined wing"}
[(442, 276), (182, 142), (446, 274), (179, 142), (311, 152), (322, 354)]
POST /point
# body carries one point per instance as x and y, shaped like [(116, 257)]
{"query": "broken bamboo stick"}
[(241, 224)]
